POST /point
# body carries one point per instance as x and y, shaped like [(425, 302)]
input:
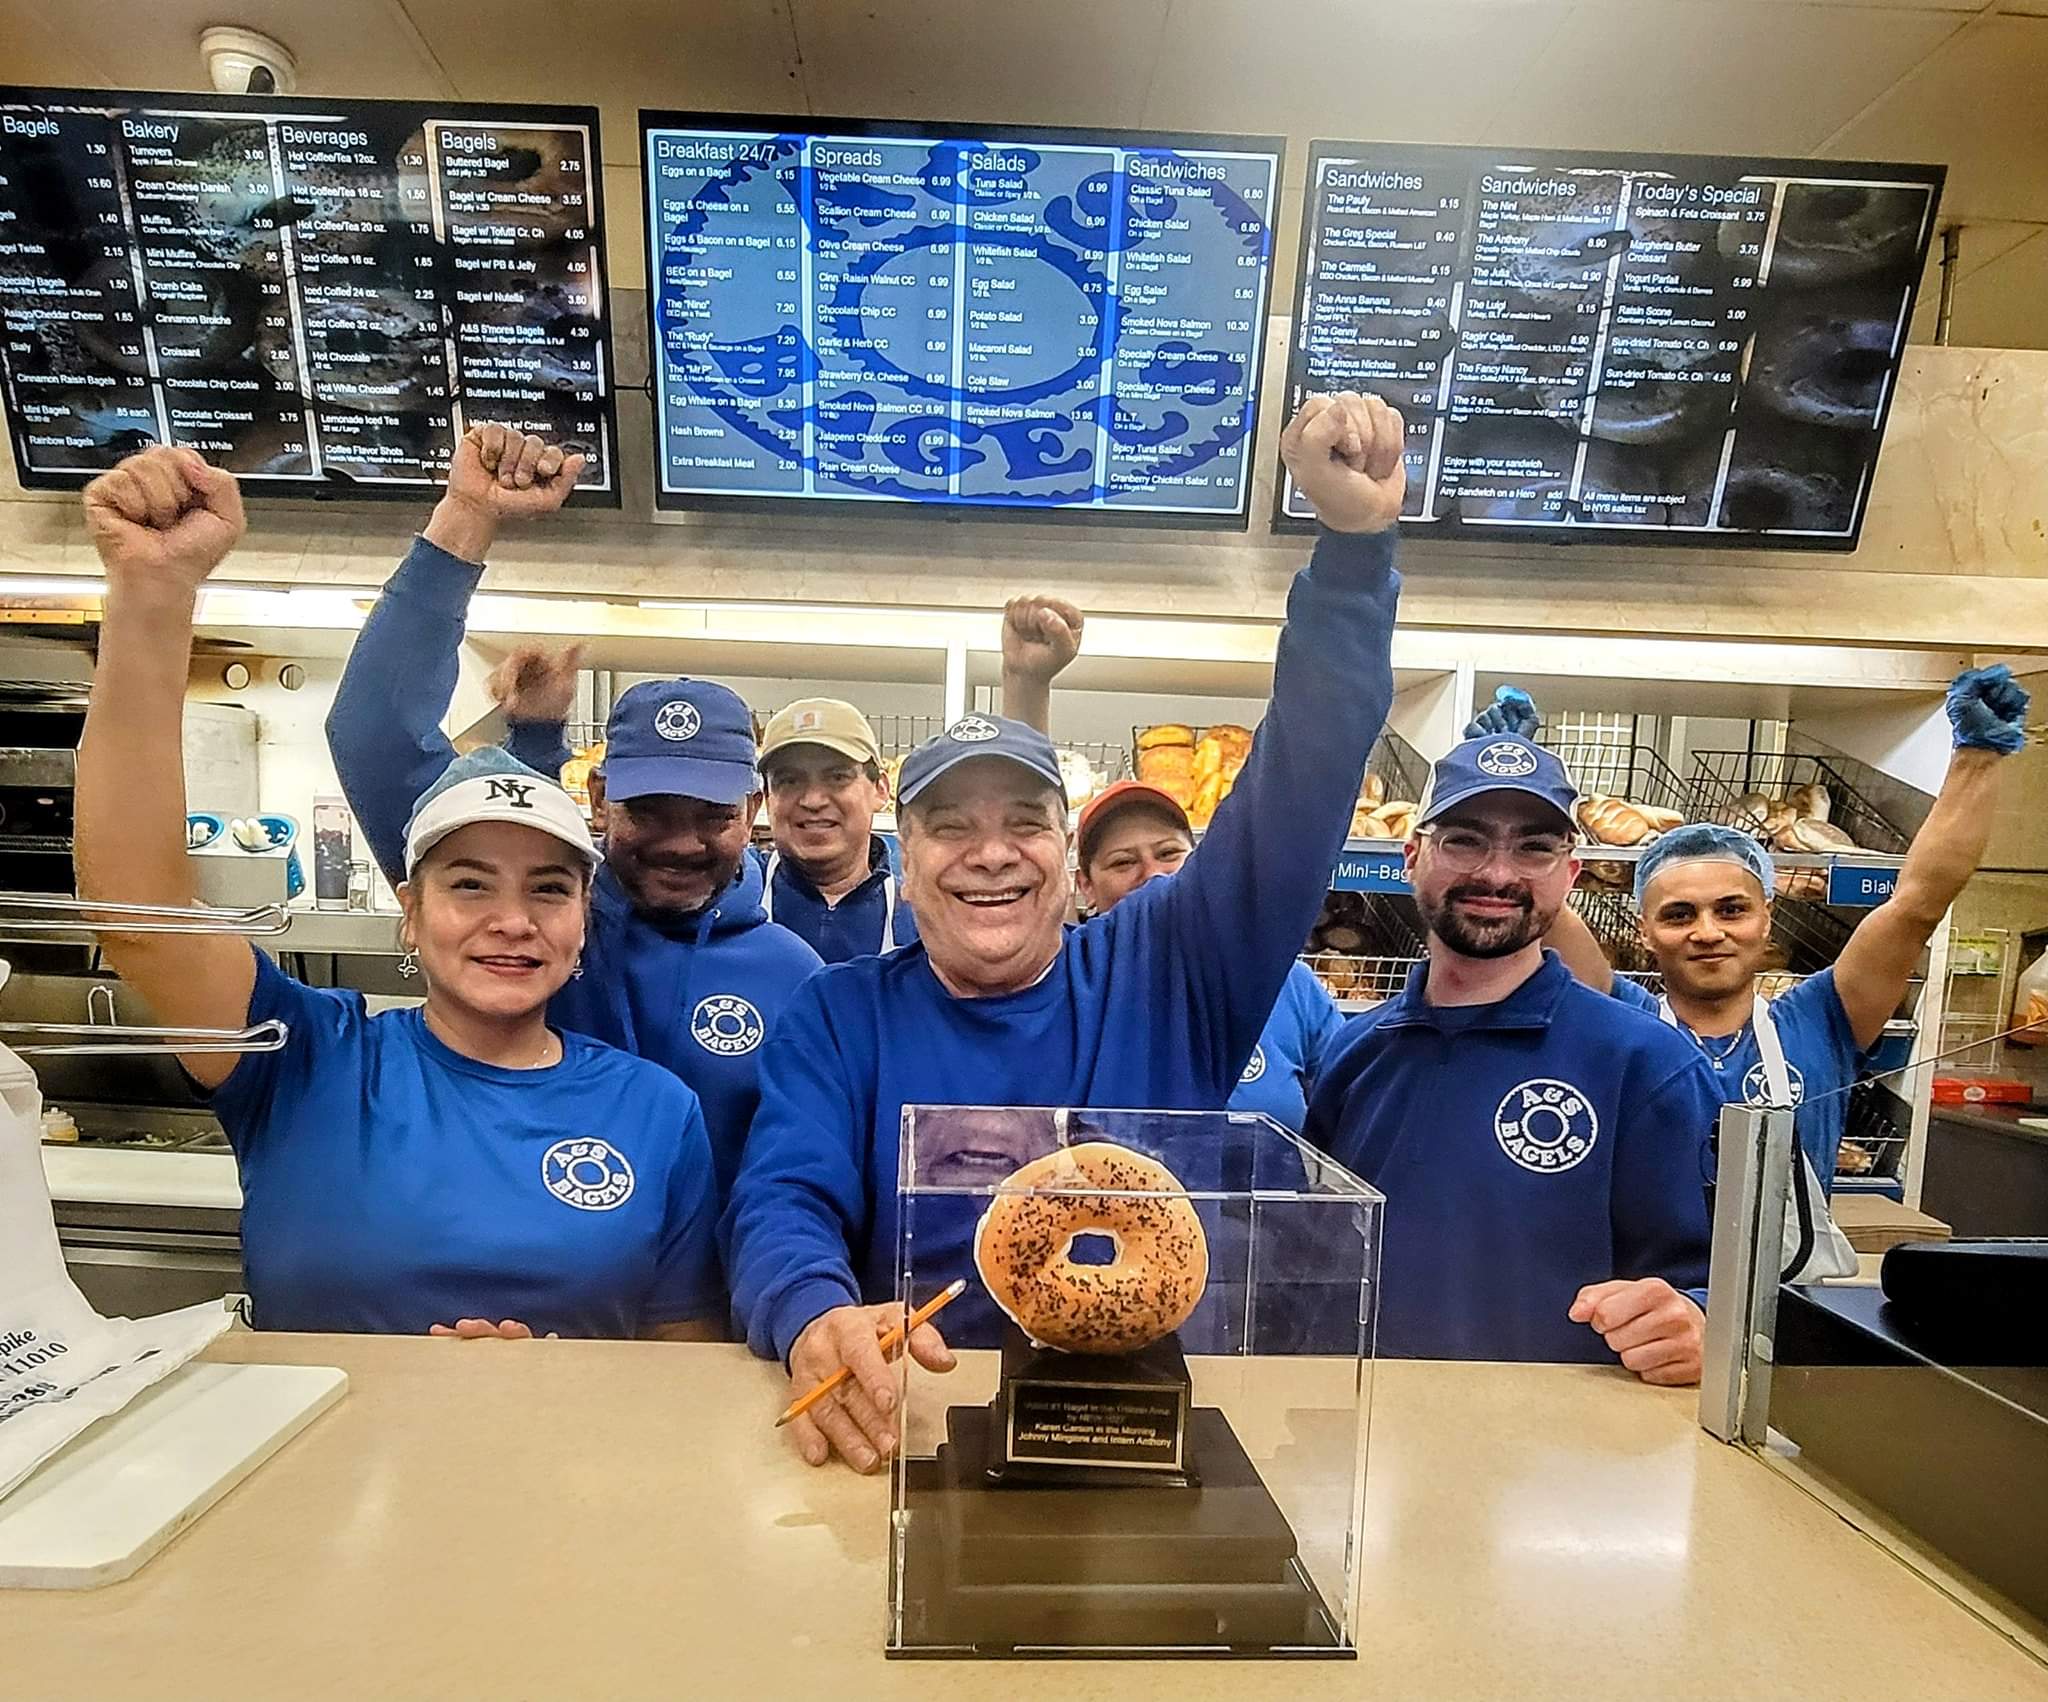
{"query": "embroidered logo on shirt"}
[(973, 730), (1546, 1126), (517, 793), (726, 1025), (678, 720), (1756, 1086), (591, 1175), (1505, 761), (1254, 1067)]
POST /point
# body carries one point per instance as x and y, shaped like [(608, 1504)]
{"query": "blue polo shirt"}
[(1155, 1005), (1822, 1062), (1278, 1074), (390, 1184), (852, 927), (1526, 1149)]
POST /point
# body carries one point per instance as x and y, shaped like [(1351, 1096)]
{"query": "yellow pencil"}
[(892, 1338)]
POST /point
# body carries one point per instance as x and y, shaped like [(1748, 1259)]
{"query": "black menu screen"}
[(1618, 345), (316, 295)]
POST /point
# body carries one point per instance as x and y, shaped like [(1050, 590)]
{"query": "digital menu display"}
[(1042, 320), (1616, 344), (316, 295)]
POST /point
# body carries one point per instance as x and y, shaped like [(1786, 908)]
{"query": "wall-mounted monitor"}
[(1050, 322), (316, 295), (1629, 347)]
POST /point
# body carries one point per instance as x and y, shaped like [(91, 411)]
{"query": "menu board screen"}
[(1041, 320), (318, 296), (1616, 344)]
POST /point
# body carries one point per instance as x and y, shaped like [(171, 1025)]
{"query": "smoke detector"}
[(240, 62)]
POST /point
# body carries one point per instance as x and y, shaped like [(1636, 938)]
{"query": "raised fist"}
[(1346, 454), (537, 684), (1041, 635), (163, 519), (511, 476), (1987, 708)]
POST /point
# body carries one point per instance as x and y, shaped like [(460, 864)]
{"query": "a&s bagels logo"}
[(972, 730), (678, 720), (1507, 760), (1546, 1126), (727, 1025), (591, 1175)]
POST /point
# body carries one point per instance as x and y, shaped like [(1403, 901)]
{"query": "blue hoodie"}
[(1526, 1148), (1157, 1004), (696, 995)]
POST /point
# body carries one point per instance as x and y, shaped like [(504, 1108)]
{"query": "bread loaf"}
[(1810, 833), (1663, 820), (1751, 807), (1373, 793), (1166, 734), (1611, 821), (1811, 801)]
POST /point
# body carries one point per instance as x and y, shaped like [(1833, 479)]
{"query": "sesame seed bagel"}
[(1024, 1242)]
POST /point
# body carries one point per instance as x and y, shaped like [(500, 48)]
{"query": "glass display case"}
[(1153, 1442)]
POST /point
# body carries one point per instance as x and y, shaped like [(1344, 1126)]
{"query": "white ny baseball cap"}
[(493, 785)]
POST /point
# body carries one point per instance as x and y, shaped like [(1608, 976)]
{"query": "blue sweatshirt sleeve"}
[(542, 745), (1321, 1021), (799, 1203), (384, 731), (1660, 1170), (1240, 910)]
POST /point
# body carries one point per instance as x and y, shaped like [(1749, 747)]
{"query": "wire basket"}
[(1399, 766), (1874, 1135), (1387, 925), (1633, 772), (1359, 982), (1611, 919), (1720, 777), (899, 735)]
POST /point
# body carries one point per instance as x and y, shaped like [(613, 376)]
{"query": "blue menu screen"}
[(1042, 320)]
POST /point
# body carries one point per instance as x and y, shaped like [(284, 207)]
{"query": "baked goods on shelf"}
[(1165, 735), (1613, 821), (1170, 767), (1219, 758), (575, 776), (1800, 822), (1814, 834), (1079, 775)]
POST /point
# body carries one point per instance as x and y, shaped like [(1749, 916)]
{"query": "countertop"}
[(1998, 1119), (583, 1519)]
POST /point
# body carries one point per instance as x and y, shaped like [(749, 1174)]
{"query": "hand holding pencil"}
[(843, 1389)]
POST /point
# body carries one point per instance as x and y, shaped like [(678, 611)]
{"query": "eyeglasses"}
[(1466, 851)]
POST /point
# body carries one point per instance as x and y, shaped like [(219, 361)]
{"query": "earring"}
[(576, 969), (409, 964)]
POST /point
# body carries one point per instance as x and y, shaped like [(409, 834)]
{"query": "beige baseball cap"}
[(823, 721)]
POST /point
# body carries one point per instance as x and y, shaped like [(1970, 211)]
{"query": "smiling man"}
[(681, 964), (1157, 1004), (1542, 1148)]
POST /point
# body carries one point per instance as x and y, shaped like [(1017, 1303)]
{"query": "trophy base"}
[(1071, 1567)]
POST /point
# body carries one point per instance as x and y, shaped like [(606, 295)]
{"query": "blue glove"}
[(1987, 708), (1512, 711)]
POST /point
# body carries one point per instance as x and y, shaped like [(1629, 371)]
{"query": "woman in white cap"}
[(459, 1168)]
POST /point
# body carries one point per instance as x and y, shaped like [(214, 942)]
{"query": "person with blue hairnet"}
[(1704, 896), (462, 1168)]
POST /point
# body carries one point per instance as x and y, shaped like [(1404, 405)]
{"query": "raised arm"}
[(1041, 635), (536, 688), (1987, 709), (1243, 904), (161, 521), (384, 731)]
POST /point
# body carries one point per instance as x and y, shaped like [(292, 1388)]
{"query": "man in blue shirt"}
[(1704, 896), (1157, 1004), (1132, 833), (681, 965), (1543, 1150)]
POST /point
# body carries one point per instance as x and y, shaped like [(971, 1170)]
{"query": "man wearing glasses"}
[(1542, 1148)]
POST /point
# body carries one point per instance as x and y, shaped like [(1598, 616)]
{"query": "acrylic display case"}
[(1195, 1495)]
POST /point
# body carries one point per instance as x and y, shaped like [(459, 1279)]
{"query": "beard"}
[(1492, 937)]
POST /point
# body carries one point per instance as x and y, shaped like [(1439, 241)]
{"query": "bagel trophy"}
[(1023, 1248)]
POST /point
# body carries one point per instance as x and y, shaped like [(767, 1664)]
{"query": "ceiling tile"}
[(2005, 304), (1344, 69), (1979, 106), (1018, 61), (38, 50), (621, 55), (345, 47), (1735, 78)]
